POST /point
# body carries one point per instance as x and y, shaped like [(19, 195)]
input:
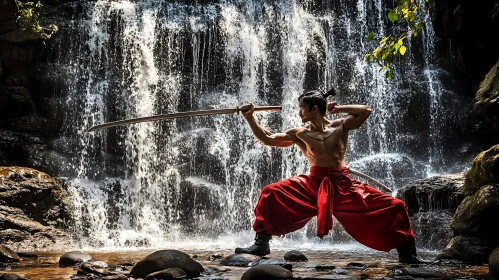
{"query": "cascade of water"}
[(151, 183)]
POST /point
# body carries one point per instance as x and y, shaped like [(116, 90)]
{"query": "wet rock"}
[(422, 272), (239, 260), (339, 271), (443, 192), (167, 274), (484, 171), (356, 265), (33, 208), (215, 257), (295, 256), (332, 276), (115, 277), (279, 262), (266, 272), (95, 267), (487, 97), (476, 215), (7, 255), (74, 257), (10, 276), (494, 263), (164, 259), (324, 266), (468, 249)]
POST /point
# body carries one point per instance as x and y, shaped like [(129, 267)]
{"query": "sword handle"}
[(261, 108)]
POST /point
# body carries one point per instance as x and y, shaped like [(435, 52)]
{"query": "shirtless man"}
[(371, 217)]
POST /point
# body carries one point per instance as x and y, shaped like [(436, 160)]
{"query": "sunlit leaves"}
[(405, 11), (28, 15)]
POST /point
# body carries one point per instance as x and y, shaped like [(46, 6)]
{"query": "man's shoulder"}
[(337, 122), (296, 130)]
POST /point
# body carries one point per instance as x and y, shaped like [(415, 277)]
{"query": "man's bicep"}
[(351, 122), (285, 139)]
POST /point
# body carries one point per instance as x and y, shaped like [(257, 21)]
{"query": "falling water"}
[(197, 179)]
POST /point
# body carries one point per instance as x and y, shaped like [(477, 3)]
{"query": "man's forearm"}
[(356, 110), (259, 132)]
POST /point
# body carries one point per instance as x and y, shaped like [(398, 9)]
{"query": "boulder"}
[(33, 209), (467, 249), (494, 263), (73, 258), (484, 170), (477, 215), (295, 256), (266, 272), (433, 200), (487, 97), (444, 192), (239, 260), (164, 259)]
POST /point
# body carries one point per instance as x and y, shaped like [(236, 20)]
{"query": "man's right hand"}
[(331, 106), (247, 110)]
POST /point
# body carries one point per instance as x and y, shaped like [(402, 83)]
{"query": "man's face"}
[(304, 113)]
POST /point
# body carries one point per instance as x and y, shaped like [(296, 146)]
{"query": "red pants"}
[(371, 217)]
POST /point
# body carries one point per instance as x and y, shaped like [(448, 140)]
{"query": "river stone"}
[(266, 272), (74, 257), (422, 272), (164, 259), (167, 274), (295, 256), (10, 276), (494, 263), (239, 260), (7, 255), (279, 262)]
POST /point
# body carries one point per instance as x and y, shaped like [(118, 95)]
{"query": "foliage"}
[(407, 11), (28, 17)]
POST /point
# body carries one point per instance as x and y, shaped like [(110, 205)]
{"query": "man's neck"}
[(319, 124)]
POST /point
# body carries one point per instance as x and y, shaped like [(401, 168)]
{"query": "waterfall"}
[(198, 179)]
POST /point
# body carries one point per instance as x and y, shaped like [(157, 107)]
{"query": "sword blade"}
[(369, 178), (178, 115)]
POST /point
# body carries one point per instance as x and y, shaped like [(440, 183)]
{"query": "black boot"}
[(407, 252), (260, 248)]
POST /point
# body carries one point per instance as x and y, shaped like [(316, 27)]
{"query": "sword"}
[(180, 115), (376, 182)]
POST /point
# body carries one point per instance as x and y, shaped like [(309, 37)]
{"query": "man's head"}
[(314, 101)]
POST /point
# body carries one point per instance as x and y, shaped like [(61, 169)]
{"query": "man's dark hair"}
[(316, 97)]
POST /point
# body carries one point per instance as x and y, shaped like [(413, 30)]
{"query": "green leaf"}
[(370, 36), (392, 16), (389, 74), (402, 50), (420, 25)]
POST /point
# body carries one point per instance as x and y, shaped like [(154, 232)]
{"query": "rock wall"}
[(27, 121)]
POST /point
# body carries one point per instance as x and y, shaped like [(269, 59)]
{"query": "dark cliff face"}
[(473, 29)]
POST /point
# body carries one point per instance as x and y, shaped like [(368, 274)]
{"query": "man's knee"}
[(399, 204), (270, 188)]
